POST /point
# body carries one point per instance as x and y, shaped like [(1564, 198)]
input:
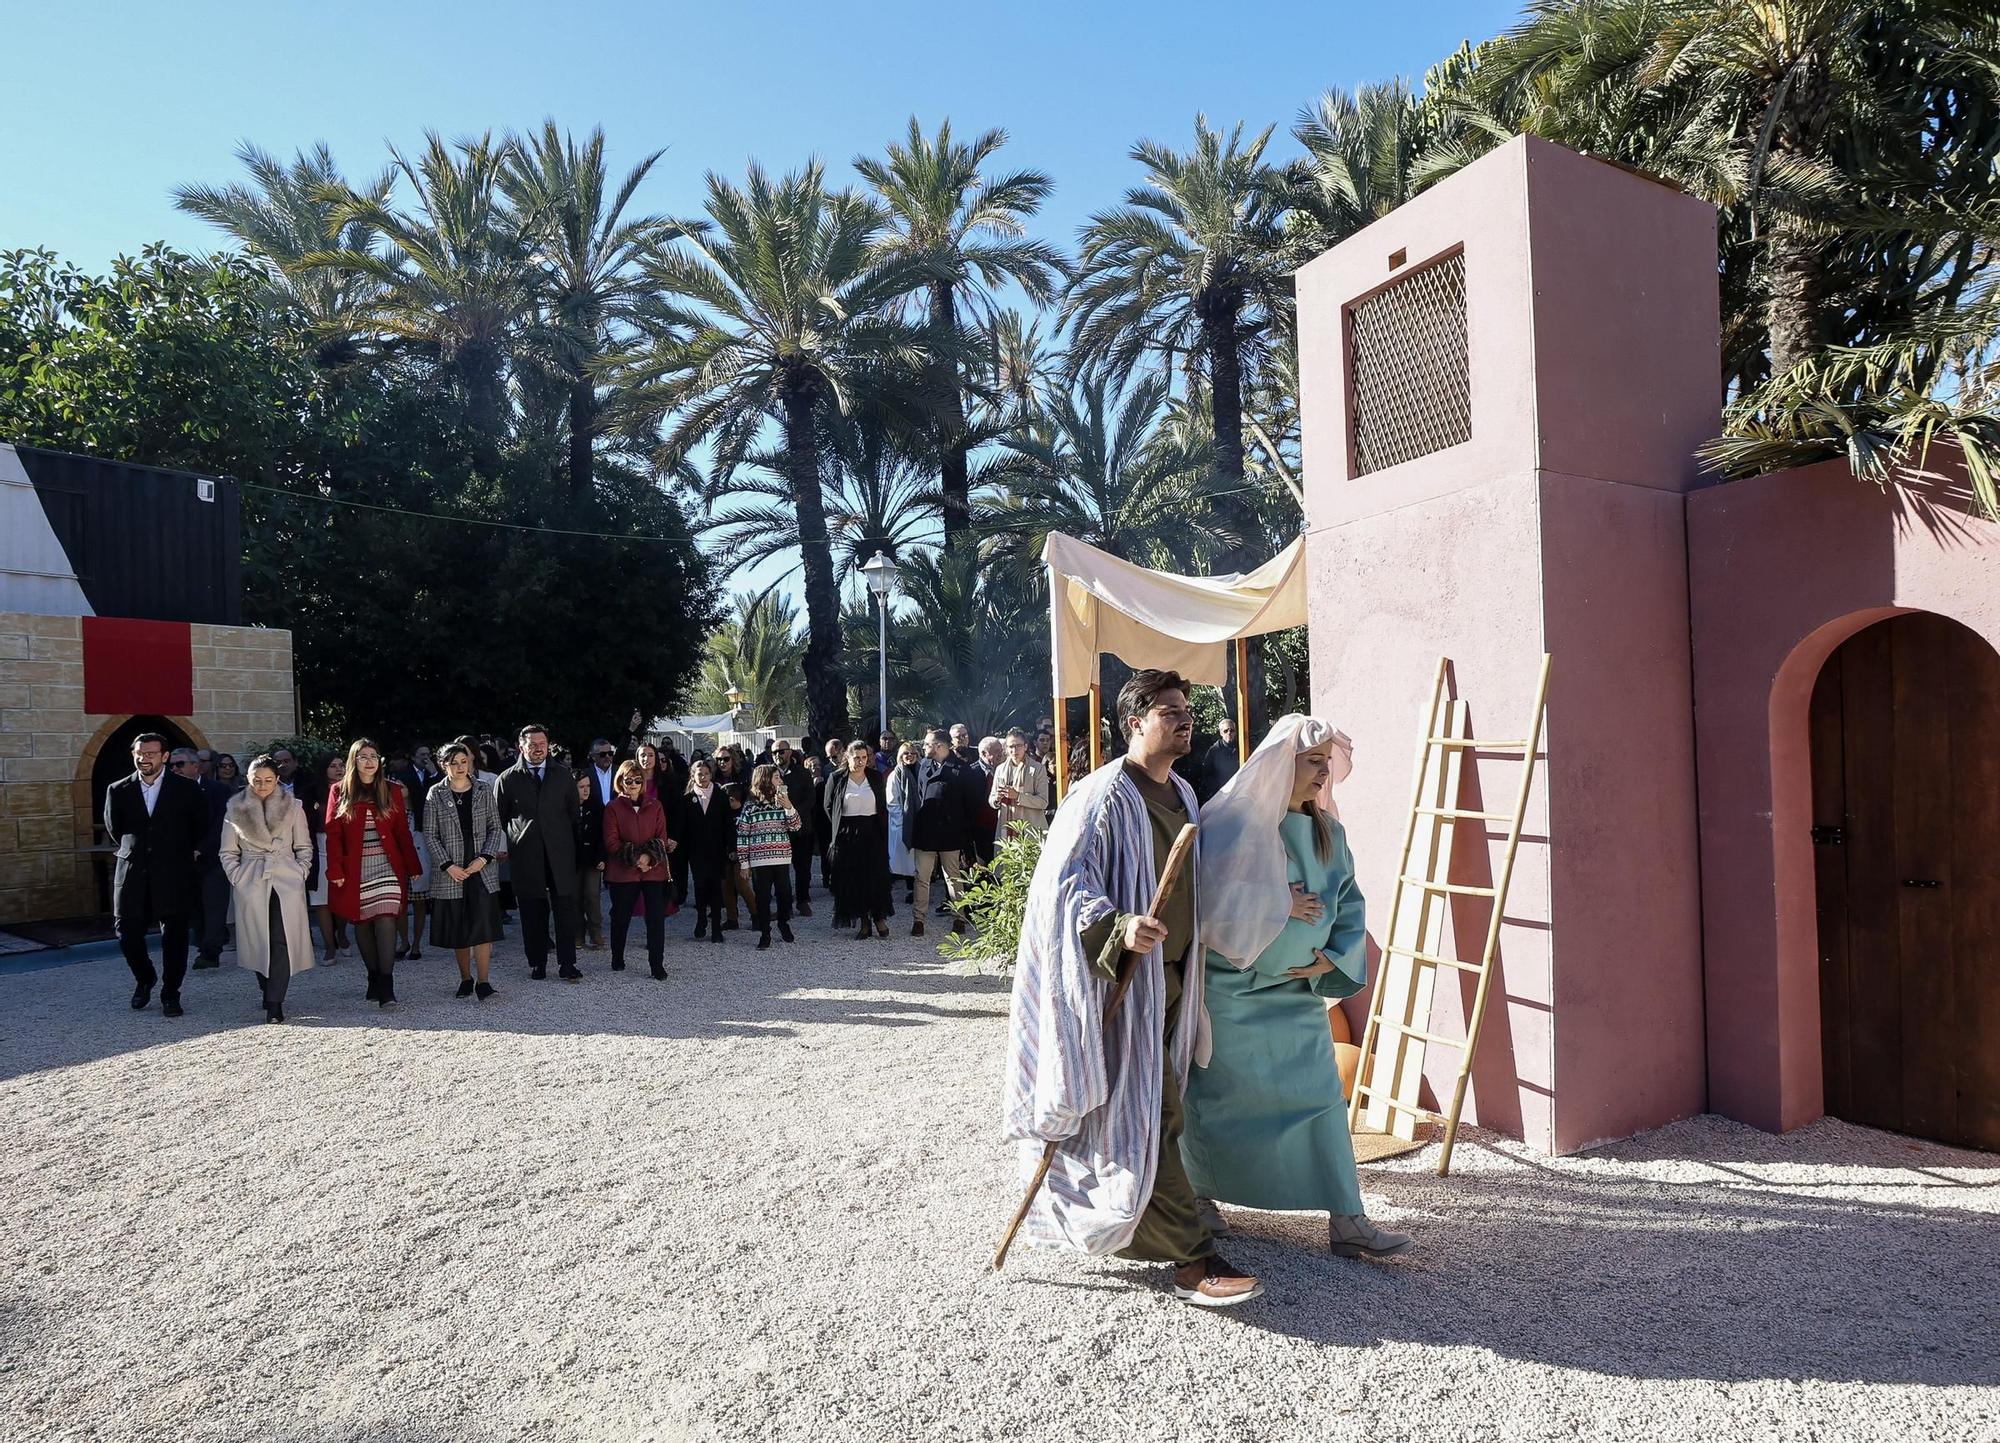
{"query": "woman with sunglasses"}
[(636, 848)]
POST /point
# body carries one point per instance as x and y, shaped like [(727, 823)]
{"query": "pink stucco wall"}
[(1784, 568), (1592, 330)]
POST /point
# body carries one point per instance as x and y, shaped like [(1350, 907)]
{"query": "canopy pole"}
[(1242, 700), (1096, 724), (1062, 748)]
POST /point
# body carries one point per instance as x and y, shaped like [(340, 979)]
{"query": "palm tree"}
[(879, 497), (1099, 468), (1846, 141), (968, 229), (788, 306), (975, 651), (759, 650), (1021, 367), (457, 280), (1359, 155), (1191, 265), (588, 253), (285, 214)]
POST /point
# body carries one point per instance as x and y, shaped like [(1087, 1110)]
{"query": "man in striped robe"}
[(1113, 1103)]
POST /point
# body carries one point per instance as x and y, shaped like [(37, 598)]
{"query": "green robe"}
[(1266, 1126)]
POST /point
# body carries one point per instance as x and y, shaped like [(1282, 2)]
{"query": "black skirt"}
[(860, 867), (469, 920)]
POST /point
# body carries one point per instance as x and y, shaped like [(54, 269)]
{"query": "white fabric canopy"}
[(1098, 603)]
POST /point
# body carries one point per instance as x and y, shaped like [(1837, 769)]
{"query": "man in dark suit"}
[(940, 824), (1220, 762), (538, 806), (155, 819), (211, 888)]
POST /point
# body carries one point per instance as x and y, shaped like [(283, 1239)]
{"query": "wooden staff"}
[(1128, 966)]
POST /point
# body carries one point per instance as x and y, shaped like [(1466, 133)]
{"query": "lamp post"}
[(735, 695), (881, 574)]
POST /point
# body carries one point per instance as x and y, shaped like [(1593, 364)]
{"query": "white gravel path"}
[(756, 1202)]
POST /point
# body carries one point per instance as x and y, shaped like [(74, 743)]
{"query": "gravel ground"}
[(756, 1202)]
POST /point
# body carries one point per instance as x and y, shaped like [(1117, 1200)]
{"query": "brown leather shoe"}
[(917, 928), (1211, 1283), (881, 927)]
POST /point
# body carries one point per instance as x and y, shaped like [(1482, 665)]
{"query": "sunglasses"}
[(604, 756)]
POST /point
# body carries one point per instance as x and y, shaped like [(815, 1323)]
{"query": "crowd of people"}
[(1217, 1084), (312, 857)]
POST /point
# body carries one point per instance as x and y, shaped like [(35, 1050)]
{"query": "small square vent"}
[(1411, 393)]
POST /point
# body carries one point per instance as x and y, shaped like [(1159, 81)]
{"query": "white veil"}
[(1246, 896)]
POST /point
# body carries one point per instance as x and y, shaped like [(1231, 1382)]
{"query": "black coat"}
[(1218, 765), (539, 818), (217, 796), (943, 810), (799, 788), (155, 873), (709, 837), (590, 820)]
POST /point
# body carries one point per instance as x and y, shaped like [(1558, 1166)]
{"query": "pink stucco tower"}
[(1504, 383)]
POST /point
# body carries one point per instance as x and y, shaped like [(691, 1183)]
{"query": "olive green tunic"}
[(1170, 1231)]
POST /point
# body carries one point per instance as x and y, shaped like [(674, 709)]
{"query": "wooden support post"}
[(1096, 724), (1242, 700), (1062, 748)]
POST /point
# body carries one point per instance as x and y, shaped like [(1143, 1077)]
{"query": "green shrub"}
[(996, 899)]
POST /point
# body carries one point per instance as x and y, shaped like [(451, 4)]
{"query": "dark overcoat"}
[(539, 818), (154, 878)]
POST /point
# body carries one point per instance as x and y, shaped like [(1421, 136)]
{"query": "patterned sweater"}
[(764, 834)]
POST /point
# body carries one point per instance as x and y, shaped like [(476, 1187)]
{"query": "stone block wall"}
[(49, 745)]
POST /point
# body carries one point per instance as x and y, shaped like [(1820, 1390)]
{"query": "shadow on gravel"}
[(1642, 1279), (710, 992)]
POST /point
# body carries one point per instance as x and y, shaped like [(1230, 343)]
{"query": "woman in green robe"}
[(1283, 922)]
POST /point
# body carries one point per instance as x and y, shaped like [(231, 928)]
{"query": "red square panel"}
[(143, 668)]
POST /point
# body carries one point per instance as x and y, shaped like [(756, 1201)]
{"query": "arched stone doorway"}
[(1905, 741)]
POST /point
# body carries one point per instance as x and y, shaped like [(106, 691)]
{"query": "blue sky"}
[(110, 107)]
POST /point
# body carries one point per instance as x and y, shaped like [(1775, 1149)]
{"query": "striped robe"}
[(1063, 1082)]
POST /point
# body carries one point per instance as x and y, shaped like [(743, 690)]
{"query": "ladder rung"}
[(1458, 815), (1363, 1090), (1421, 1035), (1477, 744), (1452, 887), (1416, 956)]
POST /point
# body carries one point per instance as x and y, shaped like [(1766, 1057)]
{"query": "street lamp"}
[(881, 574), (735, 695)]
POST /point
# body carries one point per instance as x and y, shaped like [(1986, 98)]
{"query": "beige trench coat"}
[(1031, 812), (255, 873)]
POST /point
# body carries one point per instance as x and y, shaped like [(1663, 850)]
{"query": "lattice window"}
[(1407, 365)]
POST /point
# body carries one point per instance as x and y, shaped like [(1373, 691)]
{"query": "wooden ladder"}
[(1413, 946)]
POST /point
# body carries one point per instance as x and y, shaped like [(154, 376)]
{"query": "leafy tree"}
[(968, 230), (424, 597), (788, 307)]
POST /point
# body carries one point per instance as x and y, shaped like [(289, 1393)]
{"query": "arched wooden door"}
[(1906, 812)]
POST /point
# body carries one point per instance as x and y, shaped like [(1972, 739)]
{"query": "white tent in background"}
[(1098, 603)]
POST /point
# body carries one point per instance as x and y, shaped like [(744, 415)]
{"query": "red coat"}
[(343, 850), (625, 824)]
